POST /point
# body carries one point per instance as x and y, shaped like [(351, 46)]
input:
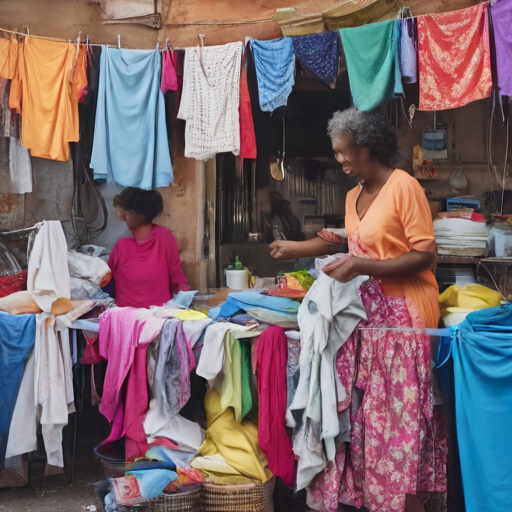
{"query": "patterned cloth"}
[(502, 21), (396, 448), (454, 58), (210, 100), (319, 54), (275, 69)]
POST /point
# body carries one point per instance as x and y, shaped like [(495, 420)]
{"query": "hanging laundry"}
[(8, 58), (48, 273), (408, 50), (501, 12), (130, 138), (272, 356), (20, 167), (373, 63), (210, 100), (327, 317), (125, 334), (275, 70), (169, 80), (454, 58), (247, 134), (17, 334), (53, 383), (482, 349), (87, 108), (79, 87), (320, 55), (45, 88), (11, 120)]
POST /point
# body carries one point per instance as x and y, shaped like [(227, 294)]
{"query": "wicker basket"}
[(190, 501), (113, 469), (239, 498)]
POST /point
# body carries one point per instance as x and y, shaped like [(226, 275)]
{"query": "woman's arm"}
[(407, 264), (288, 250)]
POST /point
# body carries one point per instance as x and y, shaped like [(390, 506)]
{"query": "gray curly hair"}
[(370, 129)]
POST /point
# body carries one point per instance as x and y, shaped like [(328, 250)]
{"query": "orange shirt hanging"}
[(46, 86), (8, 57)]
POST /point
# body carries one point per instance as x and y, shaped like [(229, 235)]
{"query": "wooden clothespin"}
[(202, 41), (28, 31), (78, 41), (119, 41), (87, 43)]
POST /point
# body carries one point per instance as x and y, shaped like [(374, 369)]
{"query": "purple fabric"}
[(408, 51), (501, 13)]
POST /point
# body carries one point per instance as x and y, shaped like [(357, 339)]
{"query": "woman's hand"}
[(283, 250), (343, 269)]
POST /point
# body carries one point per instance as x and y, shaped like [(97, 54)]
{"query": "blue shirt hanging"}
[(130, 136), (275, 71)]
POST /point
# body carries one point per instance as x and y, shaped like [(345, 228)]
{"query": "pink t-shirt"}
[(147, 272)]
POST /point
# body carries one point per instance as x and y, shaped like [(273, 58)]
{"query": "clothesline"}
[(209, 23)]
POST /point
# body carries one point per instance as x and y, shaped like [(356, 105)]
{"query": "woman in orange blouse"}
[(387, 218)]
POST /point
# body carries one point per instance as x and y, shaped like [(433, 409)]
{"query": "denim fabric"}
[(275, 70)]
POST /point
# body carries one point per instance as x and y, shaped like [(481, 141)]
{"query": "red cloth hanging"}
[(169, 80), (272, 356), (454, 58), (247, 135)]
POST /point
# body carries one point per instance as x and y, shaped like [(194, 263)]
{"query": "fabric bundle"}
[(47, 83), (275, 71), (169, 80), (130, 135), (373, 64), (320, 55), (501, 12), (454, 58), (210, 100)]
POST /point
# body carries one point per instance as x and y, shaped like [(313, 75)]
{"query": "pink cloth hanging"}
[(272, 357), (124, 336), (169, 81)]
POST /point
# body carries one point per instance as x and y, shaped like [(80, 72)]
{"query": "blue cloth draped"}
[(130, 135), (237, 301), (17, 336), (275, 71), (482, 357), (319, 54)]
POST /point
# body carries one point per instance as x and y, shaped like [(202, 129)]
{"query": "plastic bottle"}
[(238, 263)]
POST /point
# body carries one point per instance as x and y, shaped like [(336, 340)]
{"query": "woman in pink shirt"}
[(146, 267)]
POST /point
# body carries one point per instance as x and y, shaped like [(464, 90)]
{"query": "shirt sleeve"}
[(177, 278), (415, 215)]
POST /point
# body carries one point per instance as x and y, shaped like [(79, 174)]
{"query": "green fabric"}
[(371, 53), (229, 382), (246, 378)]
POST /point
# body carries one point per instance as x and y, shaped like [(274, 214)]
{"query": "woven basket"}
[(190, 501), (113, 469), (239, 498)]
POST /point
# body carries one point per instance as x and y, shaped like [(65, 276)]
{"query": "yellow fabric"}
[(464, 299), (181, 314), (216, 470), (8, 58), (44, 89), (236, 443)]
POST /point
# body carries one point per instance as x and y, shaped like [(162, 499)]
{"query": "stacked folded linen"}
[(460, 237)]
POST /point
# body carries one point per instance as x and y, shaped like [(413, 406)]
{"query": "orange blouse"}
[(397, 221)]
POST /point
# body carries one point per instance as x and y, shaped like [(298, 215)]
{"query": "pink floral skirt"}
[(397, 447)]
